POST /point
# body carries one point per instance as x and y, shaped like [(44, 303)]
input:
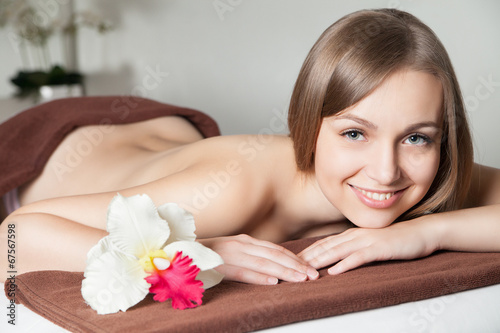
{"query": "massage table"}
[(444, 292), (464, 312)]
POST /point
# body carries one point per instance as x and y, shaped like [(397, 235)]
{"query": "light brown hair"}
[(354, 56)]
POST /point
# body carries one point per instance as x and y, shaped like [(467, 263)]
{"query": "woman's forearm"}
[(45, 241), (472, 230)]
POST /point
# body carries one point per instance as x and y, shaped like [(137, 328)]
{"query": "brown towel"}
[(238, 307), (28, 139)]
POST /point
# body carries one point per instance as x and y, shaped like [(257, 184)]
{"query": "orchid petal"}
[(114, 282), (209, 278), (104, 245), (203, 257), (178, 283), (181, 222), (134, 225), (161, 264)]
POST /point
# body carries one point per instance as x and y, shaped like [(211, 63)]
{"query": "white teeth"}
[(377, 196)]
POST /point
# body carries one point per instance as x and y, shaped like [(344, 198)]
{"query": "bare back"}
[(233, 184), (95, 159)]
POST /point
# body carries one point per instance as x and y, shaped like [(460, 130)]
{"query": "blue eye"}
[(418, 139), (354, 135)]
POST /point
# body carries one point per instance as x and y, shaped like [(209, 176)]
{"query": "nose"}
[(383, 165)]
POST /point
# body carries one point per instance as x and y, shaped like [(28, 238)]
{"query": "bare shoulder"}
[(230, 182), (242, 178), (258, 149), (485, 186), (257, 163)]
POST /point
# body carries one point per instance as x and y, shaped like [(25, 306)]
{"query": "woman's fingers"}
[(327, 250), (352, 261), (275, 247), (359, 246), (250, 260), (256, 267), (283, 258), (347, 256), (275, 263), (238, 273), (348, 250)]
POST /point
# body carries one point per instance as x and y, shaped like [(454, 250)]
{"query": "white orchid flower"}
[(148, 250)]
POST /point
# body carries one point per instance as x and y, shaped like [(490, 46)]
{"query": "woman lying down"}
[(379, 153)]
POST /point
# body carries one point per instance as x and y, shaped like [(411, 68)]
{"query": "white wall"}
[(240, 65)]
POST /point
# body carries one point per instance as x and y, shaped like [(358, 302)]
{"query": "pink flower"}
[(177, 282), (148, 249)]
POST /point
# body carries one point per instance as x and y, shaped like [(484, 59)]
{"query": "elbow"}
[(26, 209)]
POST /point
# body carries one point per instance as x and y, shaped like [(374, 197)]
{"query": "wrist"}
[(436, 231)]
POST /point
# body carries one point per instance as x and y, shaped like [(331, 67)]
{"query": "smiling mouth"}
[(377, 199), (376, 195)]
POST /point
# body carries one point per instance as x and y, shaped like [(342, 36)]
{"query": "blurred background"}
[(236, 60)]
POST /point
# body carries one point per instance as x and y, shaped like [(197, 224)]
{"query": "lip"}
[(372, 203)]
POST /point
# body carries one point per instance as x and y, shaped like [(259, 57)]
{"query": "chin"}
[(372, 220)]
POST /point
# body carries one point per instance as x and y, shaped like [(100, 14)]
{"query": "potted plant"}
[(31, 27)]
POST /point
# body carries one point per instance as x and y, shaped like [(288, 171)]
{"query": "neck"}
[(304, 206), (315, 203)]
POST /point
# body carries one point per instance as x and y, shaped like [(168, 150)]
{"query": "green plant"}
[(30, 27)]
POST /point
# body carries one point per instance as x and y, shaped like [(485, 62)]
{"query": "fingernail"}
[(312, 273), (272, 280), (333, 270), (299, 276)]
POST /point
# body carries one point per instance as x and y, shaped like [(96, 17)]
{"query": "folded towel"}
[(28, 139), (239, 307)]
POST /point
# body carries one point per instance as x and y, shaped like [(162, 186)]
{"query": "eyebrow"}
[(371, 125), (358, 120)]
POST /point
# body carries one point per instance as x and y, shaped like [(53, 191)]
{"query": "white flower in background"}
[(148, 250)]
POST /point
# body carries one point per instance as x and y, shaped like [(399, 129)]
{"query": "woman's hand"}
[(358, 246), (250, 260)]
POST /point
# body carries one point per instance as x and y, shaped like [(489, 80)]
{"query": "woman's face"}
[(378, 158)]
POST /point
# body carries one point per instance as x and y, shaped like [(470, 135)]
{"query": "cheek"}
[(332, 169), (326, 168), (422, 167), (336, 164)]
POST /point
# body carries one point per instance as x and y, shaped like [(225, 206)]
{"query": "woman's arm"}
[(473, 229), (476, 229), (40, 241), (50, 242)]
